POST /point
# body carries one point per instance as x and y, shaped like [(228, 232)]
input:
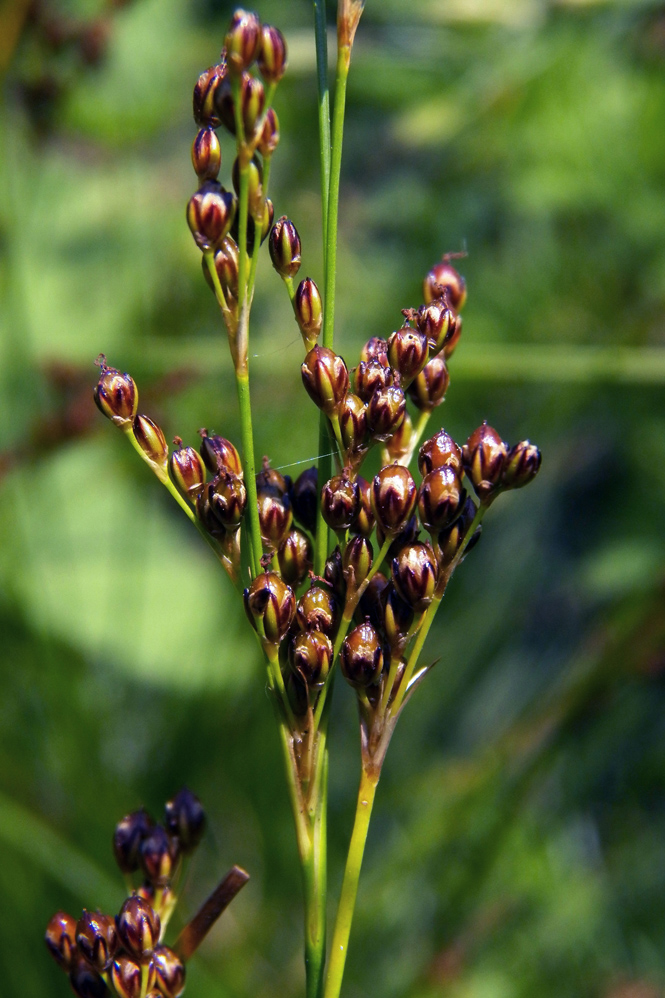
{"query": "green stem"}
[(416, 435), (249, 467), (325, 469), (347, 900), (315, 878), (258, 228), (343, 59), (321, 37)]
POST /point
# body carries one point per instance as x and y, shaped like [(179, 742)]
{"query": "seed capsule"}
[(275, 516), (394, 496), (252, 101), (484, 455), (269, 138), (218, 452), (450, 540), (305, 498), (371, 376), (226, 265), (399, 445), (270, 606), (297, 692), (309, 311), (397, 617), (116, 395), (139, 927), (453, 338), (376, 348), (210, 213), (339, 502), (438, 322), (96, 939), (204, 96), (440, 451), (284, 246), (522, 465), (385, 412), (325, 378), (151, 440), (159, 855), (333, 574), (60, 939), (295, 556), (414, 575), (243, 40), (254, 185), (317, 611), (444, 276), (272, 56), (271, 481), (187, 470), (185, 818), (206, 154), (357, 558), (407, 351), (227, 498), (170, 973), (85, 982), (428, 389), (361, 657), (440, 499), (363, 521), (311, 655), (372, 601), (127, 977), (353, 424), (127, 838)]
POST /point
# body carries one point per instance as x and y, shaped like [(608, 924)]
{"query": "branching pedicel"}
[(321, 592)]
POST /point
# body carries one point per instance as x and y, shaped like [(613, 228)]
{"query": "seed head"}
[(397, 618), (394, 496), (85, 982), (116, 395), (522, 465), (371, 376), (295, 555), (399, 445), (357, 558), (227, 498), (139, 927), (187, 470), (275, 516), (127, 976), (218, 452), (385, 412), (159, 855), (325, 378), (269, 138), (310, 656), (484, 455), (96, 939), (185, 818), (204, 96), (317, 610), (226, 265), (440, 451), (361, 657), (451, 538), (438, 321), (339, 502), (428, 389), (272, 55), (170, 973), (243, 40), (60, 939), (206, 154), (442, 277), (407, 351), (308, 308), (284, 246), (414, 574), (353, 424), (252, 102), (210, 213), (127, 838), (151, 440), (376, 348), (363, 521), (270, 606), (440, 499)]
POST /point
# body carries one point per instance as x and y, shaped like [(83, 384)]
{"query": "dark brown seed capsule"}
[(85, 982), (317, 611), (127, 977), (159, 855), (170, 973), (308, 309), (372, 601), (252, 101), (218, 452), (227, 498), (311, 655), (397, 617), (116, 395), (376, 348), (361, 657), (139, 927), (437, 321), (414, 575), (394, 497), (151, 440), (270, 606), (353, 424), (325, 378), (371, 376), (295, 556), (522, 465), (339, 502), (333, 574), (187, 470), (97, 939), (185, 818), (243, 40), (272, 55), (297, 692), (385, 412), (399, 445), (148, 892), (269, 138), (450, 540), (428, 389), (407, 351), (440, 499), (206, 154), (484, 455), (226, 265), (127, 838), (271, 481), (60, 939), (204, 96), (440, 451), (210, 213), (284, 246), (275, 517), (363, 521), (443, 276), (357, 559), (305, 498), (453, 338)]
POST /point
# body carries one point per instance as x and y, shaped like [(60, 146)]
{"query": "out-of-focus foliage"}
[(519, 841)]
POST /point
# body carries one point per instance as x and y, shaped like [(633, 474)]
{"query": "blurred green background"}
[(518, 847)]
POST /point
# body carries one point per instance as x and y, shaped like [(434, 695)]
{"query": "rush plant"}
[(338, 574)]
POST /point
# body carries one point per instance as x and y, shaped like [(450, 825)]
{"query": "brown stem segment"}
[(195, 932)]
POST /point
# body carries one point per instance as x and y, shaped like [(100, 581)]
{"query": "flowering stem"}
[(247, 443), (343, 60), (321, 37)]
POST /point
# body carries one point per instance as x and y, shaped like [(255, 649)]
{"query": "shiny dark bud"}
[(187, 470), (414, 574), (185, 818), (60, 939), (399, 445), (272, 481), (295, 556), (308, 308), (97, 939), (372, 601), (451, 539), (226, 265), (371, 376), (428, 389), (206, 154), (333, 574), (339, 502), (170, 973), (353, 424), (127, 977), (139, 927), (116, 395), (394, 497), (440, 451), (385, 412), (311, 656), (397, 617), (437, 320), (363, 521), (275, 517), (484, 456), (297, 692), (522, 465), (210, 213), (270, 606), (317, 611), (219, 453), (376, 348), (269, 138), (243, 40), (272, 54), (361, 657), (444, 278), (160, 899), (85, 982), (284, 246), (440, 498), (325, 378), (127, 838), (151, 440), (357, 559), (205, 114), (453, 338), (227, 497), (254, 186), (408, 351), (159, 855), (252, 101), (305, 498)]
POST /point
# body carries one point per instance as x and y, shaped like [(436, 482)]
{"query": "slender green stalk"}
[(325, 470), (343, 58), (321, 37), (315, 878), (247, 442)]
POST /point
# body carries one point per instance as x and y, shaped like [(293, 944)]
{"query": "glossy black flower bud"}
[(206, 154), (440, 499), (357, 559), (353, 424), (275, 516), (97, 939), (408, 351), (204, 96), (363, 521), (227, 497), (127, 976), (85, 982), (243, 40), (187, 469), (308, 309), (438, 321), (210, 213), (440, 451), (397, 617), (361, 657), (284, 246), (116, 395), (522, 465), (394, 497), (60, 939), (443, 277), (151, 440), (295, 556), (159, 855), (185, 818), (451, 539), (170, 972), (371, 376), (127, 838), (218, 452), (317, 610), (339, 502), (414, 573), (376, 348), (311, 656), (272, 55), (271, 480), (270, 606), (428, 389), (484, 456), (333, 574), (385, 412), (399, 445), (372, 601), (305, 498), (139, 927), (269, 137), (325, 378)]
